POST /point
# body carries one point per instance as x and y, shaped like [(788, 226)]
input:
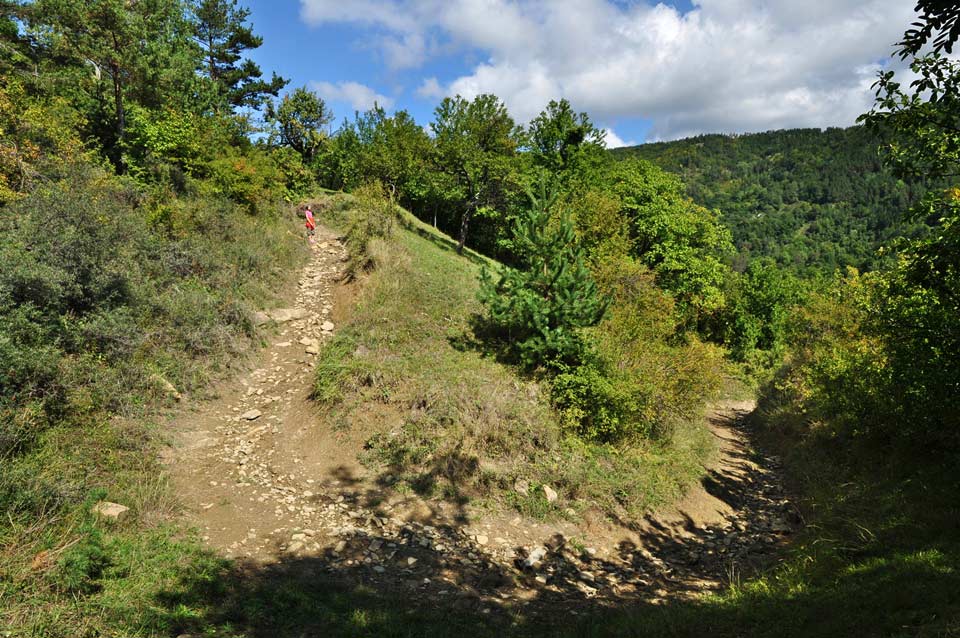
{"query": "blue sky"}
[(642, 70)]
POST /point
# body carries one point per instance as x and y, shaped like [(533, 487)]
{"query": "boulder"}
[(168, 388), (522, 487), (283, 315), (110, 511), (535, 556)]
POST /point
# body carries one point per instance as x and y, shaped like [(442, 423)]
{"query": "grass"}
[(880, 555), (131, 308), (447, 418)]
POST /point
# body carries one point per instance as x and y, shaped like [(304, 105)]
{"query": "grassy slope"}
[(880, 555), (62, 572), (450, 421)]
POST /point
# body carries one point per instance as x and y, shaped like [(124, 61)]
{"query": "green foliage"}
[(140, 52), (251, 179), (863, 363), (561, 141), (373, 219), (301, 121), (393, 150), (637, 381), (602, 226), (915, 312), (758, 302), (80, 568), (406, 374), (475, 142), (38, 134), (683, 243), (594, 406), (221, 32), (811, 200), (539, 308), (96, 300), (298, 179), (835, 371), (169, 137), (884, 365)]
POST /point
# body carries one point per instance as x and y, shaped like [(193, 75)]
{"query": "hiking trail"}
[(269, 483)]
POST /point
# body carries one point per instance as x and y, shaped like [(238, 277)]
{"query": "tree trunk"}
[(119, 112), (120, 115), (464, 224)]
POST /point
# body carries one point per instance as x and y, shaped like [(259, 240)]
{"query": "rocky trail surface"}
[(270, 483)]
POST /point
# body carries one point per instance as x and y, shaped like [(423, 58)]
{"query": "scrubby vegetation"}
[(445, 420), (137, 235), (571, 338), (859, 411)]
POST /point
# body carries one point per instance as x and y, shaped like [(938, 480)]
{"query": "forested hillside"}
[(813, 200)]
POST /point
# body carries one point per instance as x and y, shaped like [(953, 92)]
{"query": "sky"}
[(643, 71)]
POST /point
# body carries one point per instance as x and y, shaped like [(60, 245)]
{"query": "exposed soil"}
[(269, 482)]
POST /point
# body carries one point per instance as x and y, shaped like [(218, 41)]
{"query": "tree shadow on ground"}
[(438, 595), (388, 572)]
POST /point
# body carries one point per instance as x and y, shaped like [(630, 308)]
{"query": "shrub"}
[(595, 406), (98, 297), (373, 218), (835, 373), (539, 308), (80, 568), (636, 381), (251, 179)]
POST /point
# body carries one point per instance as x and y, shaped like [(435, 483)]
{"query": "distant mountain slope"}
[(812, 199)]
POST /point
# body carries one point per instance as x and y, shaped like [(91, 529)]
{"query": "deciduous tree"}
[(301, 118), (475, 144)]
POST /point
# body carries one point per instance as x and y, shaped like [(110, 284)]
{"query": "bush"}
[(80, 568), (251, 179), (758, 302), (594, 406), (373, 218), (834, 373), (98, 298), (539, 308), (636, 380)]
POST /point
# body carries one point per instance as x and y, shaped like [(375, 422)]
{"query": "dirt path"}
[(239, 463), (270, 483)]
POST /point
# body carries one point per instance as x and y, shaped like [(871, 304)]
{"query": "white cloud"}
[(430, 88), (359, 96), (727, 65), (613, 140)]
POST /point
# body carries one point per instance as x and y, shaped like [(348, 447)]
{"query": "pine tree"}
[(221, 31), (539, 307)]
